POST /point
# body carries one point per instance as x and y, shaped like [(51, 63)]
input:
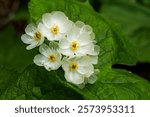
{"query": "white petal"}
[(71, 36), (57, 53), (94, 59), (96, 51), (41, 41), (43, 29), (92, 79), (59, 16), (73, 33), (76, 30), (66, 52), (27, 39), (58, 37), (66, 26), (79, 24), (87, 29), (52, 65), (40, 60), (86, 69), (64, 44), (48, 66), (45, 50), (92, 35), (90, 71), (56, 65), (84, 61), (83, 69), (46, 32), (84, 39), (33, 45), (74, 77), (84, 50), (31, 29), (47, 19), (65, 64), (51, 37), (59, 56)]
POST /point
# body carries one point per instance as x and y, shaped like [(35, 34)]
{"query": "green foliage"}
[(37, 83), (115, 48), (7, 77), (116, 84), (12, 51), (107, 34), (134, 19), (32, 83)]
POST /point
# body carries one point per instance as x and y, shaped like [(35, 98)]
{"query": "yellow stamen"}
[(74, 46), (37, 36), (52, 58), (54, 29), (73, 66)]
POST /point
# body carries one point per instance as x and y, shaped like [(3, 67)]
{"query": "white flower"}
[(94, 55), (55, 25), (88, 29), (33, 36), (85, 29), (91, 80), (77, 42), (50, 58), (77, 69)]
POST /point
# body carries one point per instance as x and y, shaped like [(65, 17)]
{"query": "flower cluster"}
[(70, 45)]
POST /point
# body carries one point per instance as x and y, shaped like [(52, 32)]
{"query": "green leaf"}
[(7, 78), (115, 48), (116, 85), (134, 19), (37, 83), (107, 35)]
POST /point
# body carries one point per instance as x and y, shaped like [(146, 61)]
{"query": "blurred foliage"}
[(134, 17), (12, 51), (7, 10)]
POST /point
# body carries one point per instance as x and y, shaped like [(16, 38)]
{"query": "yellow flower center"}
[(52, 58), (73, 66), (54, 29), (37, 36), (74, 46)]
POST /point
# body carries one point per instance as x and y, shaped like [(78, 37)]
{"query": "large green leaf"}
[(115, 48), (116, 84), (7, 78), (36, 83), (134, 19)]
